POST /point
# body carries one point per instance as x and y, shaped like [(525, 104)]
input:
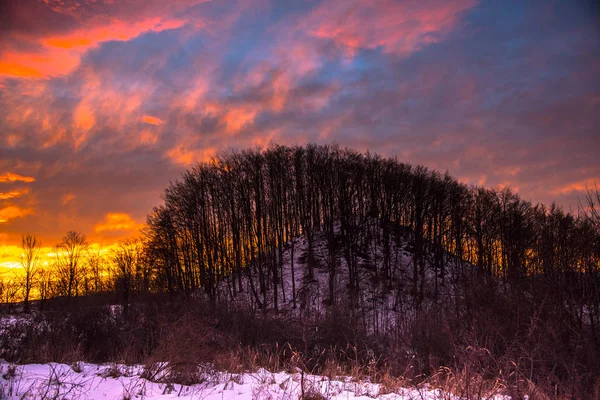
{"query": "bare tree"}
[(592, 211), (10, 290), (97, 271), (29, 260), (46, 284), (127, 272), (69, 262)]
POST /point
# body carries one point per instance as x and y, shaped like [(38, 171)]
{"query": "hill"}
[(370, 279)]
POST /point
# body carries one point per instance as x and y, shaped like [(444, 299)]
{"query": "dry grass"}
[(491, 355)]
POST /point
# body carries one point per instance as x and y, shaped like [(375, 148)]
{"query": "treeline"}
[(76, 269), (241, 209), (236, 215)]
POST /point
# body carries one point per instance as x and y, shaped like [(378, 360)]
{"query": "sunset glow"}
[(103, 103)]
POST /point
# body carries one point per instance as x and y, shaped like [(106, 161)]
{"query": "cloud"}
[(149, 119), (67, 198), (183, 155), (12, 212), (56, 49), (576, 187), (11, 177), (113, 30), (235, 118), (13, 194), (398, 27), (117, 222)]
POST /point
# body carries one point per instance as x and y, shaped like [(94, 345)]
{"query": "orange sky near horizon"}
[(104, 102)]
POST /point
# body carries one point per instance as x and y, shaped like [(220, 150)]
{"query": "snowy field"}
[(118, 382)]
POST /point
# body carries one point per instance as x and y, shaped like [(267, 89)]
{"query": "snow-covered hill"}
[(381, 291)]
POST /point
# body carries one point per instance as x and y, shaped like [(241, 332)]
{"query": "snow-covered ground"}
[(107, 382)]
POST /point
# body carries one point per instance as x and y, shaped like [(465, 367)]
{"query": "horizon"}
[(102, 103)]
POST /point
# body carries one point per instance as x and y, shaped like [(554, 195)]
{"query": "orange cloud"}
[(12, 212), (13, 194), (114, 30), (84, 117), (579, 186), (44, 63), (67, 198), (117, 222), (149, 119), (237, 117), (61, 53), (148, 138), (182, 155), (10, 177), (510, 170)]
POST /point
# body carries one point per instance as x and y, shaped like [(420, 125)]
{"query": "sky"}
[(104, 102)]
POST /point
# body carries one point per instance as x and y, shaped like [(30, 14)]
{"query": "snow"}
[(8, 321), (384, 304), (106, 382)]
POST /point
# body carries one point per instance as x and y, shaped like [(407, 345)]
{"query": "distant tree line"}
[(75, 269), (238, 212)]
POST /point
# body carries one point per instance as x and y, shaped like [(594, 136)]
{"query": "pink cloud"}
[(52, 51), (398, 27)]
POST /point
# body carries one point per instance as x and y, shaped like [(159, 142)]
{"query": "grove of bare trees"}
[(240, 210)]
